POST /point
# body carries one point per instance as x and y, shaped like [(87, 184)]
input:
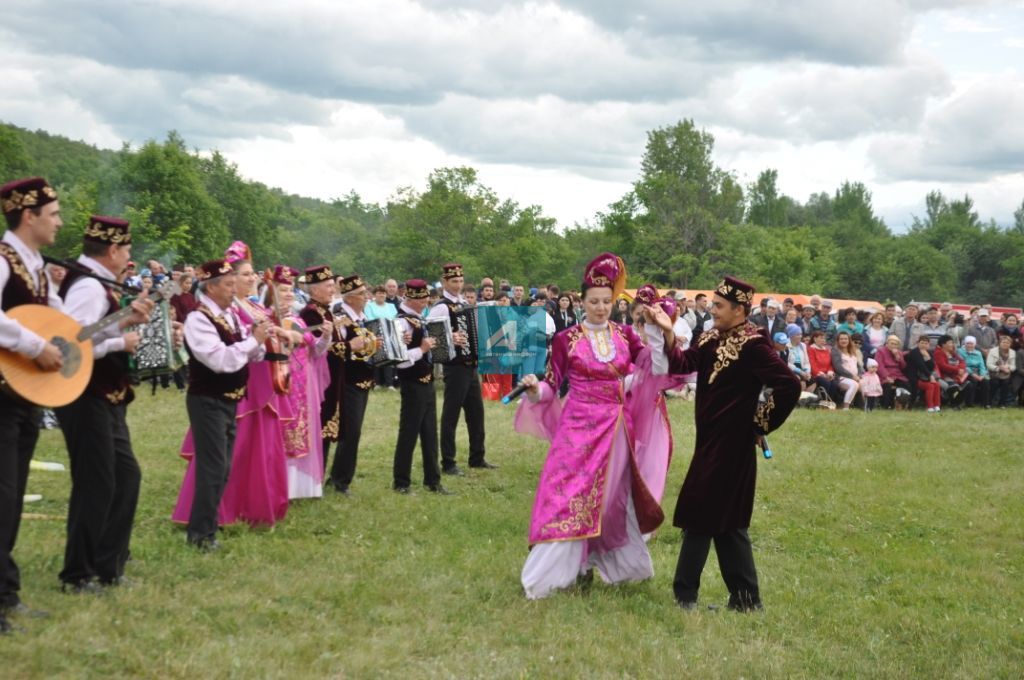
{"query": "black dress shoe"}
[(81, 588), (484, 466), (205, 544), (687, 605), (439, 490), (404, 490), (22, 609), (340, 488), (454, 471)]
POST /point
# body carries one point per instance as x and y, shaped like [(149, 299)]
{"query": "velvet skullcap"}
[(735, 290), (108, 230), (33, 192), (416, 289), (451, 270), (319, 274), (213, 269), (350, 284)]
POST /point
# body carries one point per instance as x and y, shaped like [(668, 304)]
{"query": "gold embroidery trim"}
[(365, 384), (762, 415), (727, 290), (729, 350), (18, 267), (429, 378), (117, 396), (29, 199), (331, 427), (235, 395), (582, 509), (108, 234)]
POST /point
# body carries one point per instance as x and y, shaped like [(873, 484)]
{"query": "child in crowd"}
[(871, 386)]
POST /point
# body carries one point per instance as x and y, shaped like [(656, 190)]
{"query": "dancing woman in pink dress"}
[(257, 487), (303, 447), (592, 506)]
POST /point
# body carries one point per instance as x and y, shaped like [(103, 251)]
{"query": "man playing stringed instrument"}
[(105, 475), (32, 212)]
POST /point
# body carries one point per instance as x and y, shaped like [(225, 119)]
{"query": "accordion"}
[(155, 354), (441, 331), (390, 347), (464, 320)]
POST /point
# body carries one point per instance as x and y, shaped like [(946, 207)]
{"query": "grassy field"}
[(888, 545)]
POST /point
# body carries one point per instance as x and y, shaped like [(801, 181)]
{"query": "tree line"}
[(683, 224)]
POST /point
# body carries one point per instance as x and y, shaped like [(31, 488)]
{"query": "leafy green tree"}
[(14, 161), (765, 206)]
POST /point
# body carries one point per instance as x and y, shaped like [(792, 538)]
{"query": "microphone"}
[(765, 449), (514, 394)]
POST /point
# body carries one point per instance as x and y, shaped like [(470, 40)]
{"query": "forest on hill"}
[(684, 223)]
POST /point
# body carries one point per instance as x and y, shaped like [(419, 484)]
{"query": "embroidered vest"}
[(358, 370), (111, 379), (423, 370), (21, 288), (205, 382)]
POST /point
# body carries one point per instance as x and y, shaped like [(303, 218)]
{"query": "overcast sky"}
[(550, 101)]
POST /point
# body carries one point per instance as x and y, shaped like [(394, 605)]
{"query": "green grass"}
[(888, 545)]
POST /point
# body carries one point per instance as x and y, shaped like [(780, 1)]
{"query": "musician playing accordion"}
[(461, 381)]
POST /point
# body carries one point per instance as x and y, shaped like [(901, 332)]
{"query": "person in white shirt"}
[(418, 414), (105, 475), (32, 213), (220, 349)]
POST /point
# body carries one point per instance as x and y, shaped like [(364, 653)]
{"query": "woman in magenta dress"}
[(592, 506), (645, 399), (302, 444), (257, 488)]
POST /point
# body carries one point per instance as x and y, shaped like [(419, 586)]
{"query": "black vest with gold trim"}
[(421, 371), (21, 289), (205, 382)]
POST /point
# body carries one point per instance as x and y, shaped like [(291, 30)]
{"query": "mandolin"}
[(21, 377)]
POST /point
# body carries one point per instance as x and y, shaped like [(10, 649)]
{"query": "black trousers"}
[(213, 432), (889, 392), (105, 480), (417, 420), (735, 560), (353, 410), (19, 431), (980, 395), (462, 393)]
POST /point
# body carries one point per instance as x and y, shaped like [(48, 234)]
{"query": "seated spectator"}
[(1011, 327), (1002, 365), (977, 372), (791, 315), (820, 356), (892, 370), (874, 334), (952, 373), (850, 323), (799, 361), (980, 328), (870, 386), (781, 342), (846, 366), (824, 321), (921, 370), (858, 348)]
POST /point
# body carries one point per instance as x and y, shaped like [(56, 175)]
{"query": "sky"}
[(550, 101)]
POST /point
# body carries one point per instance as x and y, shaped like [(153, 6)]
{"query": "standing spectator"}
[(850, 323), (846, 367), (620, 314), (909, 328), (770, 319), (871, 386), (787, 305), (984, 333), (791, 316), (380, 308), (952, 373), (565, 316), (815, 302), (977, 372), (799, 362), (956, 329), (921, 370), (519, 297), (1011, 327), (699, 318), (486, 290), (391, 294), (807, 315), (469, 292), (933, 328), (824, 321), (890, 314), (1002, 364), (874, 334)]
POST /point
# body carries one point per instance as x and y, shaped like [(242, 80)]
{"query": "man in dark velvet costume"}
[(734, 361)]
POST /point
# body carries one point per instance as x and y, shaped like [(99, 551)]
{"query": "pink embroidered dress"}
[(257, 488), (592, 505), (303, 446)]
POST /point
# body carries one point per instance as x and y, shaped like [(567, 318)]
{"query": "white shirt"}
[(86, 303), (206, 346), (13, 335), (440, 311), (403, 326), (682, 331)]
